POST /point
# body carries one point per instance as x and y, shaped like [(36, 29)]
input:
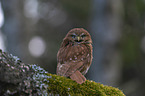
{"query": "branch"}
[(17, 78)]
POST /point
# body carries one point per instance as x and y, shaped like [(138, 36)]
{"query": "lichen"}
[(40, 78)]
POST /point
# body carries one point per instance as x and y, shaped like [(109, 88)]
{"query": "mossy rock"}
[(19, 79)]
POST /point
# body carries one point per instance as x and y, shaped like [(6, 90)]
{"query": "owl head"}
[(78, 35)]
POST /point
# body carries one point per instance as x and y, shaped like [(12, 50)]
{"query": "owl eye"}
[(83, 36), (73, 36)]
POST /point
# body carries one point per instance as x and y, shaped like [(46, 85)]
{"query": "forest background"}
[(34, 29)]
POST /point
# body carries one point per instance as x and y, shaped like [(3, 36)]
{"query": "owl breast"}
[(76, 53)]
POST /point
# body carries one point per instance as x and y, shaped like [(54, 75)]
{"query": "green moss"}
[(65, 87)]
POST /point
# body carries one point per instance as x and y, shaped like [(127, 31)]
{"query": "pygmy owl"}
[(75, 55)]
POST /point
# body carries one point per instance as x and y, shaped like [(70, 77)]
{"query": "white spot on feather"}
[(74, 61), (82, 59), (75, 56), (60, 67), (88, 55)]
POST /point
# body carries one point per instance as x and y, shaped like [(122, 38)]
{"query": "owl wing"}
[(71, 57), (68, 68), (71, 70), (62, 69)]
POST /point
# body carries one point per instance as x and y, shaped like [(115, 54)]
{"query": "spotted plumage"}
[(75, 54)]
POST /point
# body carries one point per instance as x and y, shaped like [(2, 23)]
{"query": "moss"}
[(65, 86)]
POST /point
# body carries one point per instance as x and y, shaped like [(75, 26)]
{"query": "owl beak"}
[(79, 38)]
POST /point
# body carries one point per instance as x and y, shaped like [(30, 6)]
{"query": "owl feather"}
[(75, 55)]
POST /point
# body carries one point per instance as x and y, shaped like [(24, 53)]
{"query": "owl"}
[(75, 55)]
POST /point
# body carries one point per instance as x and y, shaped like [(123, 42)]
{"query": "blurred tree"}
[(133, 57), (106, 29), (78, 11), (33, 32), (13, 24)]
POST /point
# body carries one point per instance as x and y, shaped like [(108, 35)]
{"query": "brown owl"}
[(75, 55)]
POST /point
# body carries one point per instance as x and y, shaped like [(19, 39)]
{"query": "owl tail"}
[(78, 77)]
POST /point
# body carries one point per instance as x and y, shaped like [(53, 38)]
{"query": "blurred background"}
[(34, 29)]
